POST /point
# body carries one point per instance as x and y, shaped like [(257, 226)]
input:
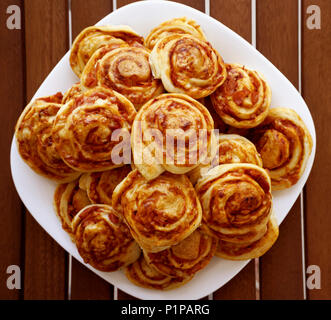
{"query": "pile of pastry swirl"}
[(237, 206), (164, 217)]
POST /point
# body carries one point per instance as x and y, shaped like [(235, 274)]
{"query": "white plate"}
[(37, 192)]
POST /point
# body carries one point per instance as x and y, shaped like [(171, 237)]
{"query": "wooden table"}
[(29, 54)]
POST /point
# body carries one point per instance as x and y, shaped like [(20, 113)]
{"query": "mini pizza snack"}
[(236, 201), (160, 212), (171, 132), (144, 275), (231, 148), (127, 71), (69, 199), (145, 181), (285, 144), (244, 98), (35, 141), (93, 38), (188, 65), (103, 239), (83, 128), (180, 26)]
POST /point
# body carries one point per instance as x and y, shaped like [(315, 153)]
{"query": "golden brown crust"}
[(187, 65), (127, 70), (83, 129), (160, 212), (142, 274), (235, 251), (89, 74), (186, 258), (180, 26), (69, 199), (35, 142), (73, 91), (174, 119), (100, 185), (95, 37), (285, 144), (236, 201), (244, 99), (232, 148), (102, 238)]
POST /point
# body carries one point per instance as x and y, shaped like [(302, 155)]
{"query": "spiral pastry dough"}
[(183, 135), (100, 185), (35, 142), (143, 275), (69, 199), (127, 70), (285, 144), (244, 251), (232, 148), (93, 38), (89, 74), (72, 92), (160, 213), (236, 201), (102, 238), (186, 64), (180, 26), (83, 129), (244, 99), (186, 258)]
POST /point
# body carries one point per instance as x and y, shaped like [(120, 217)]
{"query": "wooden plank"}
[(316, 91), (196, 4), (46, 41), (12, 96), (84, 283), (236, 14), (277, 39), (87, 13)]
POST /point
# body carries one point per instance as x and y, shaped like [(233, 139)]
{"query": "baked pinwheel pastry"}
[(100, 185), (103, 240), (143, 275), (93, 38), (186, 64), (244, 251), (185, 258), (236, 202), (72, 92), (89, 74), (244, 99), (127, 71), (179, 26), (86, 128), (69, 199), (231, 148), (160, 133), (35, 142), (161, 212), (285, 144)]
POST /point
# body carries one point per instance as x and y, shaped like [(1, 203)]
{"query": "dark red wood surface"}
[(281, 267), (316, 83)]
